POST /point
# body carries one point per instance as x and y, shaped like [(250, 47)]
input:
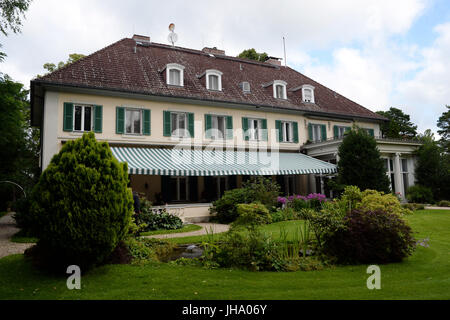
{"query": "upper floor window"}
[(317, 132), (133, 121), (214, 80), (308, 93), (339, 131), (82, 118), (279, 89), (175, 74), (255, 129), (179, 124)]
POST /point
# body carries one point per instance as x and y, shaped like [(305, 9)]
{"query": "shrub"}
[(263, 190), (157, 220), (25, 220), (373, 200), (284, 215), (226, 206), (251, 250), (81, 205), (444, 203), (370, 237), (252, 214), (413, 206), (419, 194)]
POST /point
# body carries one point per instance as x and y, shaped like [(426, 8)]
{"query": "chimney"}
[(142, 39), (213, 50), (274, 61)]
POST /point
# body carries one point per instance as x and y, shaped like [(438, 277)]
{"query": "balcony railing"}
[(378, 138)]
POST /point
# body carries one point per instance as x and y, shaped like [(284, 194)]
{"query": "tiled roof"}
[(120, 67)]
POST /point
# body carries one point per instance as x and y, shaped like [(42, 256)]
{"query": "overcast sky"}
[(379, 53)]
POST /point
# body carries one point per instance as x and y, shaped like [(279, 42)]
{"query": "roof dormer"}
[(175, 74), (213, 80), (308, 93), (279, 89)]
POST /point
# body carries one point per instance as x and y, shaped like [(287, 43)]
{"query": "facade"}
[(192, 124)]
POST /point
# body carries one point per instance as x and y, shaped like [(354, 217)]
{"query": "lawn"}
[(425, 275)]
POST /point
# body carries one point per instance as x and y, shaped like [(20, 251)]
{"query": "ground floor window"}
[(389, 166), (405, 175), (179, 188)]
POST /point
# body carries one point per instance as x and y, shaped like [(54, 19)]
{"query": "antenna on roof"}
[(284, 48), (173, 37)]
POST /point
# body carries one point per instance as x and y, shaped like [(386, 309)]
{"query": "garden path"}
[(7, 230), (206, 227)]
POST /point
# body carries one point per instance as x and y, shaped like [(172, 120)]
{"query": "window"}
[(389, 166), (218, 127), (288, 131), (214, 80), (133, 121), (222, 185), (308, 93), (339, 131), (179, 188), (279, 89), (255, 127), (179, 127), (289, 183), (175, 74), (316, 132), (82, 118)]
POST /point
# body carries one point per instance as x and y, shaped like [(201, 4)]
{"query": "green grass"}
[(19, 237), (424, 275), (185, 228)]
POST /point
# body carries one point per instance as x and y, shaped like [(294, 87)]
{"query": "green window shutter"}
[(98, 119), (245, 128), (279, 130), (120, 120), (208, 125), (229, 127), (146, 130), (336, 132), (167, 124), (324, 132), (68, 116), (264, 128), (191, 124), (295, 128), (310, 137)]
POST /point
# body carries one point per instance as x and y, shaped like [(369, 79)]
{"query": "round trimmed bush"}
[(370, 237), (81, 205), (419, 194)]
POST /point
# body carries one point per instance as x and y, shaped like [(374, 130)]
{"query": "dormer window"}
[(279, 89), (214, 80), (308, 93), (175, 74)]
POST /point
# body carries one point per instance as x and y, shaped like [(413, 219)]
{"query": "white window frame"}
[(284, 129), (390, 171), (279, 83), (319, 126), (141, 122), (403, 173), (185, 132), (213, 72), (175, 66), (308, 87), (341, 129), (83, 106), (215, 130), (251, 128)]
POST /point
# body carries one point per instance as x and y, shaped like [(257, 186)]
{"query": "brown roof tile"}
[(118, 67)]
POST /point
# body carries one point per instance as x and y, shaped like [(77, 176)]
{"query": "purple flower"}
[(282, 200)]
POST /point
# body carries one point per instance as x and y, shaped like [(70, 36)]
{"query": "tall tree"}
[(444, 124), (11, 13), (399, 125), (360, 163), (19, 143), (50, 67), (253, 55)]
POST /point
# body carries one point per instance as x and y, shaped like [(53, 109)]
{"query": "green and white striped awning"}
[(187, 162)]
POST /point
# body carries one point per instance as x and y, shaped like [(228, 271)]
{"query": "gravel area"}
[(217, 228), (7, 230)]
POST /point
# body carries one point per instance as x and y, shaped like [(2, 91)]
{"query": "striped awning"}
[(187, 162)]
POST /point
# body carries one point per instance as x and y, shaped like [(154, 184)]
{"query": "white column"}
[(398, 175)]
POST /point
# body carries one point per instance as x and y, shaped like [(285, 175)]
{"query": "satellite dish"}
[(173, 37)]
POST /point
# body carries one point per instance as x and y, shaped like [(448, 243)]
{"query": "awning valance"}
[(187, 162)]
